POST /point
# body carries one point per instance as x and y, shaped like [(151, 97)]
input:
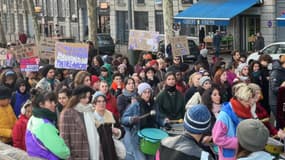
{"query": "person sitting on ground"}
[(197, 122), (252, 137)]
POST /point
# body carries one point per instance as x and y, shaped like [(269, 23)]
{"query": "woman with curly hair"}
[(82, 78)]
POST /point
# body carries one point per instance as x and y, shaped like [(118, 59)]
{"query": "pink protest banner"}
[(29, 64)]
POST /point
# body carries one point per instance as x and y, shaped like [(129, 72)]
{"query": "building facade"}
[(64, 18), (147, 15)]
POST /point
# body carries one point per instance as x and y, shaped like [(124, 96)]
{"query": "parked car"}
[(105, 43), (193, 49), (275, 50)]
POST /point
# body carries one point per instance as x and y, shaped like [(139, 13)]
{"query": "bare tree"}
[(31, 8), (168, 20), (3, 40), (92, 21)]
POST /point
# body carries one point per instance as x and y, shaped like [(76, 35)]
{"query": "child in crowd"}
[(19, 130)]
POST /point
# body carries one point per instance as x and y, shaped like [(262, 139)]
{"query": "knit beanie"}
[(5, 92), (203, 80), (94, 79), (204, 52), (96, 95), (241, 66), (197, 119), (142, 87), (252, 135), (25, 105)]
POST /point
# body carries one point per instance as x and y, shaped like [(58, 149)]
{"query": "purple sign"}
[(269, 23), (71, 55)]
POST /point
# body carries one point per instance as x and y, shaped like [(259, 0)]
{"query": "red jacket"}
[(19, 131), (111, 105), (262, 115)]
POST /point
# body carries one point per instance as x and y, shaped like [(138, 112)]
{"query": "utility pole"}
[(31, 9), (92, 22), (167, 21)]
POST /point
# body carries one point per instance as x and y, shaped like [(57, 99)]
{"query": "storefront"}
[(232, 17)]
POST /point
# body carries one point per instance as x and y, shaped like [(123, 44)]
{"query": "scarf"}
[(51, 82), (240, 110), (256, 74), (129, 94), (115, 86), (92, 134), (170, 88), (45, 113)]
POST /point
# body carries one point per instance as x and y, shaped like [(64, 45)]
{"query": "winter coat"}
[(171, 105), (7, 121), (224, 132), (280, 118), (46, 86), (262, 115), (260, 155), (259, 43), (182, 147), (17, 101), (277, 76), (111, 105), (124, 100), (19, 131), (131, 139), (195, 99), (190, 92), (43, 140), (73, 131), (265, 88), (105, 133)]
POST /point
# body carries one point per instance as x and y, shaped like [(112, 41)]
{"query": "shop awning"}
[(214, 12), (281, 20)]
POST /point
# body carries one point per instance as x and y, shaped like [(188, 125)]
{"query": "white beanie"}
[(241, 66), (25, 105), (142, 87)]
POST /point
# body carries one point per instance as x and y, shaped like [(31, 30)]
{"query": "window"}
[(159, 27), (187, 1), (141, 20), (271, 49), (122, 26), (140, 1), (49, 8)]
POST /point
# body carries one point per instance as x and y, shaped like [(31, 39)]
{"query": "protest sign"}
[(179, 46), (71, 55), (24, 51), (47, 48), (143, 40), (29, 64)]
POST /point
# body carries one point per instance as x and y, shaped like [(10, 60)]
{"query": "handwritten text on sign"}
[(71, 55)]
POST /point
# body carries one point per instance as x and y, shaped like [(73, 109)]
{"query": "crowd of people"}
[(96, 114)]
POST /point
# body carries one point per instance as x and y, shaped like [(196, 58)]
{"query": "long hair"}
[(207, 97), (217, 76), (79, 78)]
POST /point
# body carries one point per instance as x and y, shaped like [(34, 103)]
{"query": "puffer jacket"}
[(277, 77), (181, 147)]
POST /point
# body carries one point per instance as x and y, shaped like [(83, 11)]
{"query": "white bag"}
[(120, 149)]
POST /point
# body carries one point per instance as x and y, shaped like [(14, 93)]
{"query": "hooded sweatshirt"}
[(19, 98)]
